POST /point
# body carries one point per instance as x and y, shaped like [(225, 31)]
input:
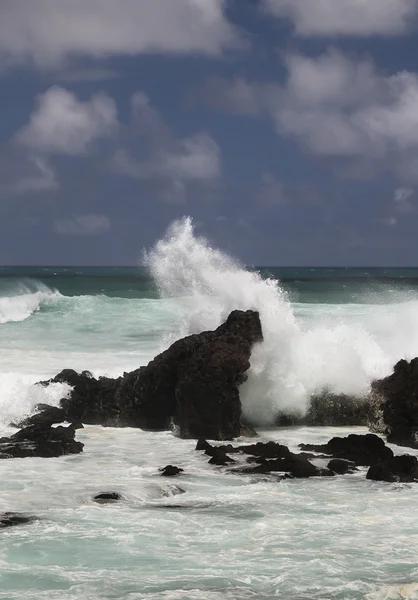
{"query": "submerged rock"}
[(195, 382), (269, 457), (40, 440), (396, 404), (10, 519), (107, 497)]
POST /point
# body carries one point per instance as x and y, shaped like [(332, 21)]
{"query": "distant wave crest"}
[(23, 300)]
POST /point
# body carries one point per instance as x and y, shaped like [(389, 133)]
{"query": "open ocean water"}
[(228, 536)]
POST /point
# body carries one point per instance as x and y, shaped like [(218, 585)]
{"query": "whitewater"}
[(225, 536)]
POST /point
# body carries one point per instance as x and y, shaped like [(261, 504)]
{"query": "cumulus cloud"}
[(47, 32), (173, 161), (88, 224), (346, 17), (337, 106), (62, 124)]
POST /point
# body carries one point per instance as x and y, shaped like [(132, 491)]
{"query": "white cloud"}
[(346, 17), (339, 107), (62, 124), (89, 224), (402, 199), (172, 161), (47, 32)]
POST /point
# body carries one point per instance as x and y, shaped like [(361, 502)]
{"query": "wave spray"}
[(296, 358)]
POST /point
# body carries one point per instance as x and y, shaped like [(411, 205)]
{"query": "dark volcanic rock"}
[(170, 471), (107, 497), (341, 466), (48, 415), (40, 440), (9, 519), (361, 449), (398, 468), (195, 382), (397, 411)]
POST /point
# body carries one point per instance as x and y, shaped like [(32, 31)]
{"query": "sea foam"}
[(298, 357)]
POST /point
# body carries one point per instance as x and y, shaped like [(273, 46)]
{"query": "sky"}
[(287, 129)]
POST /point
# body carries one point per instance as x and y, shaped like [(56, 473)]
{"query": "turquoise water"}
[(227, 536)]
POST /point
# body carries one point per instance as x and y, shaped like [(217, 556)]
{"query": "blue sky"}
[(288, 129)]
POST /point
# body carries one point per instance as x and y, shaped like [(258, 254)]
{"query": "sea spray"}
[(295, 360)]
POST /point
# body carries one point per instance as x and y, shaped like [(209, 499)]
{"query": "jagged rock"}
[(170, 471), (195, 382), (48, 415), (266, 450), (219, 457), (396, 404), (341, 466), (40, 440), (396, 469), (361, 449), (107, 497), (10, 519)]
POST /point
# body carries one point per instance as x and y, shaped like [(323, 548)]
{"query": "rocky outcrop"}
[(195, 383), (396, 404), (40, 440), (396, 469), (363, 450)]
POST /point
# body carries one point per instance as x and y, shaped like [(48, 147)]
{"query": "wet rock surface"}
[(107, 497), (11, 519), (195, 383), (363, 450), (41, 440), (170, 471), (396, 404)]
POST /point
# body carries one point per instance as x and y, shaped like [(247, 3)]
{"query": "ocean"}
[(227, 536)]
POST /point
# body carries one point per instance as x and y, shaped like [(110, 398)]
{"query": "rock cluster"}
[(194, 383)]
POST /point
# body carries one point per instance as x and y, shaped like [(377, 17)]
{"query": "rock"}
[(398, 468), (48, 415), (40, 440), (219, 457), (195, 383), (170, 471), (10, 519), (361, 449), (341, 466), (267, 450), (107, 497), (396, 404), (172, 490)]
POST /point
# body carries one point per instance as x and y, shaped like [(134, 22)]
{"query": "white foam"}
[(23, 302), (330, 349)]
